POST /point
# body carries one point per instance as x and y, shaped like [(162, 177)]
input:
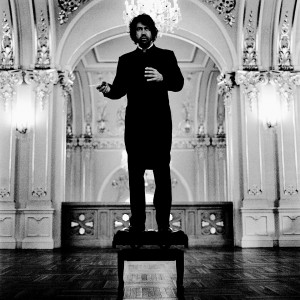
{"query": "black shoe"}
[(164, 230), (133, 229)]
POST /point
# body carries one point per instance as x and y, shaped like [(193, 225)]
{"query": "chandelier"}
[(165, 16)]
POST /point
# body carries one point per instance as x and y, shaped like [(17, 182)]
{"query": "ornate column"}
[(201, 144), (220, 184), (63, 93), (8, 84), (87, 146), (228, 90), (288, 158), (38, 213), (258, 203)]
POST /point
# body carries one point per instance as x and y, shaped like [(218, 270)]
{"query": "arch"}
[(109, 177), (100, 20)]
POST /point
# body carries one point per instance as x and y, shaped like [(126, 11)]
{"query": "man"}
[(146, 75)]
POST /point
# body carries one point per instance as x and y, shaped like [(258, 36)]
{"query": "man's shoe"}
[(166, 230), (133, 229)]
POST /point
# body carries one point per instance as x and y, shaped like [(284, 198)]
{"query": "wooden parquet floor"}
[(210, 273)]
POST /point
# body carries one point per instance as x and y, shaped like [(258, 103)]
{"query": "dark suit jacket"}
[(148, 122)]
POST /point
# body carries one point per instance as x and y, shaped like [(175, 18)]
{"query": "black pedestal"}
[(163, 251)]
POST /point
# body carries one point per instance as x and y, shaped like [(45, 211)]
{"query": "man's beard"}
[(144, 42)]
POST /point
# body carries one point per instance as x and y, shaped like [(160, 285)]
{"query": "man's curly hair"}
[(145, 20)]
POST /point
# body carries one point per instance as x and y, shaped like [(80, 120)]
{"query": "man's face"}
[(143, 35)]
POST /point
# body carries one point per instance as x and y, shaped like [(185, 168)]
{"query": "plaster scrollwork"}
[(66, 80), (109, 143), (44, 80), (8, 82), (224, 7), (219, 141), (39, 192), (72, 144), (7, 53), (43, 46), (186, 125), (201, 145), (254, 190), (249, 52), (183, 143), (225, 86), (291, 190), (121, 118), (67, 8), (286, 82), (102, 116), (250, 81), (284, 55), (4, 192)]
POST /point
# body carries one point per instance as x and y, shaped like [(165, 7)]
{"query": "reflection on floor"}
[(210, 273)]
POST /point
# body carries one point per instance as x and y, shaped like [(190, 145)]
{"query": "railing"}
[(94, 224)]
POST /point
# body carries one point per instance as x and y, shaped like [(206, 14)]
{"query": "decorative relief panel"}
[(291, 190), (7, 51), (39, 193), (120, 220), (83, 223), (225, 85), (4, 192), (43, 46), (177, 220), (285, 82), (284, 55), (224, 7), (254, 190), (7, 226), (8, 82), (291, 225), (249, 51), (212, 223), (250, 81), (38, 226), (44, 80), (256, 226), (67, 8)]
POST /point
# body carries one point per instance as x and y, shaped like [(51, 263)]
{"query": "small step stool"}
[(164, 252)]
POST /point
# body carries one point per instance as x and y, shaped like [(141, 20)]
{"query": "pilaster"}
[(9, 80)]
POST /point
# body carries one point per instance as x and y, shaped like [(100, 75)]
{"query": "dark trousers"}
[(162, 196)]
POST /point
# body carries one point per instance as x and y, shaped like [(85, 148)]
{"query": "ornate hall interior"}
[(235, 155)]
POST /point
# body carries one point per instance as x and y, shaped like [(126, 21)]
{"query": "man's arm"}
[(173, 78), (119, 87)]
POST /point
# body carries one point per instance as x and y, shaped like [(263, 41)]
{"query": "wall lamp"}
[(23, 108), (269, 105)]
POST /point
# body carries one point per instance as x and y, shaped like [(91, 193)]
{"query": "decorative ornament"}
[(8, 82), (43, 48), (39, 192), (254, 190), (250, 81), (285, 82), (165, 16), (285, 61), (249, 52), (225, 85), (7, 54), (224, 7), (44, 80), (67, 8)]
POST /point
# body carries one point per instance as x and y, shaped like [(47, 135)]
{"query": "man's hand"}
[(152, 74), (103, 88)]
